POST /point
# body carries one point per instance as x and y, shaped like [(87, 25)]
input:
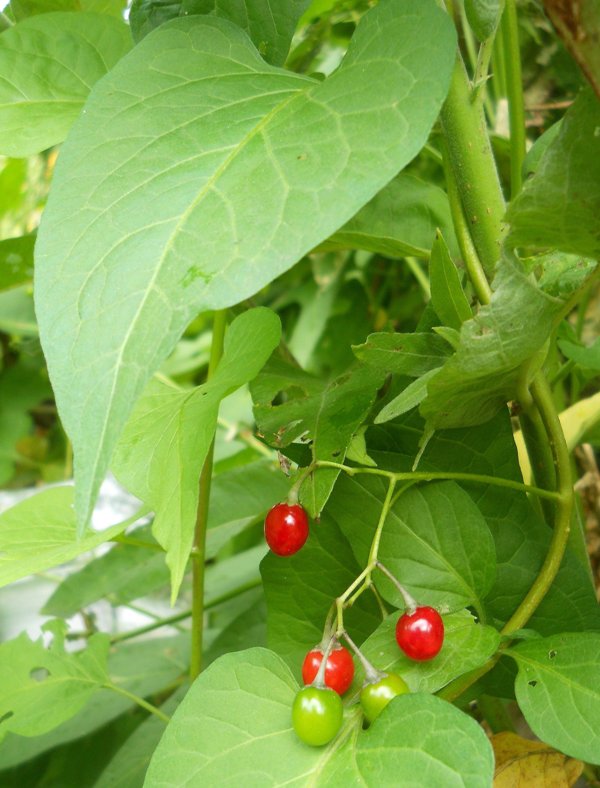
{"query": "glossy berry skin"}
[(317, 715), (286, 528), (339, 670), (376, 696), (421, 634)]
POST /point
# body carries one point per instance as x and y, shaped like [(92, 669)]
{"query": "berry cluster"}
[(328, 669)]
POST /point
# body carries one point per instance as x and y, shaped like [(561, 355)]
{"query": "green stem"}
[(340, 601), (140, 702), (542, 397), (163, 622), (498, 66), (480, 91), (199, 546), (177, 617), (470, 167), (471, 259), (430, 476), (374, 551), (514, 85), (473, 167)]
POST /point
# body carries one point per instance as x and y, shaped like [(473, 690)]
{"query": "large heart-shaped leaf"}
[(49, 64), (196, 175), (236, 722)]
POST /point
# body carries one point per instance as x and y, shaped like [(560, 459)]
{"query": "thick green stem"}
[(471, 259), (473, 167), (199, 547), (514, 89)]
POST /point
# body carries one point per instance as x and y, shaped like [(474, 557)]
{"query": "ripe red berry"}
[(421, 634), (286, 528), (339, 670)]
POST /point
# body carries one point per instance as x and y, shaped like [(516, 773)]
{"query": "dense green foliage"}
[(340, 254)]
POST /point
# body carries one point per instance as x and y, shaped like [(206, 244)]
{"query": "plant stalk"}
[(514, 89), (140, 702), (199, 546), (473, 167)]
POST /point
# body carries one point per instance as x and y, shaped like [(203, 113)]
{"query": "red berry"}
[(286, 528), (339, 670), (421, 634)]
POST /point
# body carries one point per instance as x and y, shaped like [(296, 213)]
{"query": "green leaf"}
[(40, 533), (587, 357), (447, 296), (22, 9), (239, 498), (301, 589), (521, 538), (400, 220), (467, 645), (143, 668), (532, 159), (270, 24), (246, 630), (40, 688), (128, 767), (558, 690), (562, 274), (559, 206), (236, 572), (118, 280), (416, 738), (237, 715), (483, 16), (435, 539), (326, 413), (17, 315), (408, 398), (50, 63), (124, 573), (403, 354), (497, 353), (16, 261), (22, 387), (166, 441), (12, 184), (317, 300)]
